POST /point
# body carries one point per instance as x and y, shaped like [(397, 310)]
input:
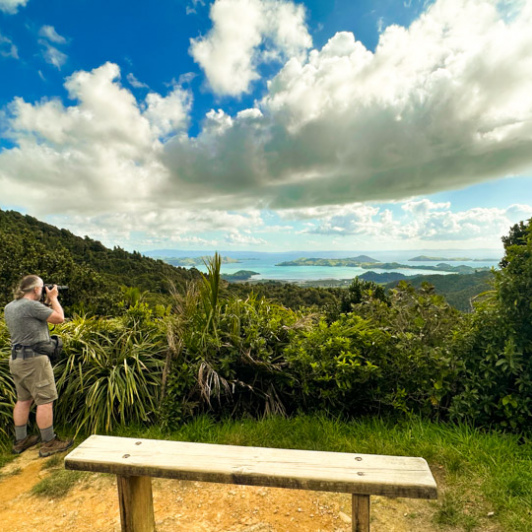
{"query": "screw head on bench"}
[(126, 456), (138, 443), (360, 474), (358, 459)]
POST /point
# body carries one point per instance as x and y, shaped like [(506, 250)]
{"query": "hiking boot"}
[(21, 445), (54, 446)]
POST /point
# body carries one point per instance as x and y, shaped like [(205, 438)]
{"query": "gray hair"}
[(26, 285)]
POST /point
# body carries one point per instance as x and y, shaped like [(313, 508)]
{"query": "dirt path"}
[(92, 505)]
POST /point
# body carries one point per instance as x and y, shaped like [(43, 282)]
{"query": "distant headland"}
[(367, 263), (449, 259)]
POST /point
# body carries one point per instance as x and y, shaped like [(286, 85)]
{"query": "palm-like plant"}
[(112, 372), (7, 387)]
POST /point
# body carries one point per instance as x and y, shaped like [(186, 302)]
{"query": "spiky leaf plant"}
[(7, 387), (111, 374)]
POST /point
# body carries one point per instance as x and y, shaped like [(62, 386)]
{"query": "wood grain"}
[(362, 474), (135, 499), (360, 513)]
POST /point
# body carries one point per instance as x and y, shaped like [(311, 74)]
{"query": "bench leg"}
[(360, 514), (135, 499)]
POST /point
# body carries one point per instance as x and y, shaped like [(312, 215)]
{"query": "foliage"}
[(496, 344), (111, 372), (229, 353), (7, 387), (419, 371), (459, 290), (287, 294), (337, 364)]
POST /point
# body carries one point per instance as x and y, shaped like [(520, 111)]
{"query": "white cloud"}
[(53, 56), (50, 53), (11, 6), (424, 221), (100, 154), (237, 238), (164, 226), (7, 48), (134, 82), (49, 33), (170, 113), (444, 103), (246, 33)]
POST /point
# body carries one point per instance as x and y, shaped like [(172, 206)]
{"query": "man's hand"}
[(52, 294), (57, 315)]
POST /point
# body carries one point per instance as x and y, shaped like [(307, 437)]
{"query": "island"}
[(240, 275), (367, 263), (440, 267), (349, 262)]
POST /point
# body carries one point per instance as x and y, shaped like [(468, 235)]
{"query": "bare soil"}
[(92, 505)]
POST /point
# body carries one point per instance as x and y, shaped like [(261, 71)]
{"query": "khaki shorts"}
[(34, 379)]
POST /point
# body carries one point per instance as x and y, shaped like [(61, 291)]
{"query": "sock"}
[(47, 434), (21, 432)]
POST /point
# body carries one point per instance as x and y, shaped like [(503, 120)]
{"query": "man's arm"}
[(57, 315)]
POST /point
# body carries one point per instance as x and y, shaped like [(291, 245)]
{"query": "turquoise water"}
[(265, 264)]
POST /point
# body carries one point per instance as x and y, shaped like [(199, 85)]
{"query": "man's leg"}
[(45, 421), (21, 413)]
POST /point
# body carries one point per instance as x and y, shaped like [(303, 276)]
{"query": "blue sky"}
[(269, 124)]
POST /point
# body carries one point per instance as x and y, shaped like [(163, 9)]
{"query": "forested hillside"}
[(460, 290), (93, 273)]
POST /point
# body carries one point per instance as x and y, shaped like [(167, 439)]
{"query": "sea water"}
[(266, 264)]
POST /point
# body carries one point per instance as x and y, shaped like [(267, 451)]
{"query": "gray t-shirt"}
[(26, 321)]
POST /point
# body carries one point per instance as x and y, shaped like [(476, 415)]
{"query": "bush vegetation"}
[(371, 351)]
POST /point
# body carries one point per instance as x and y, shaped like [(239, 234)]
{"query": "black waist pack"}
[(52, 349)]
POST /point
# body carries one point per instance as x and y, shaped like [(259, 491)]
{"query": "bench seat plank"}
[(363, 474)]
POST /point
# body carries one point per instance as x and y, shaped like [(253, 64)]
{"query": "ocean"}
[(265, 264)]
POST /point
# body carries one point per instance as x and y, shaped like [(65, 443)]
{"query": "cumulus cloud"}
[(246, 33), (239, 239), (7, 48), (446, 102), (170, 113), (165, 226), (99, 154), (423, 221), (192, 7), (11, 6)]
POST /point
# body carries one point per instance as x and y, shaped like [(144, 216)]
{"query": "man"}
[(27, 320)]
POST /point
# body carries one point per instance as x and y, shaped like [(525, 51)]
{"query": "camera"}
[(50, 286)]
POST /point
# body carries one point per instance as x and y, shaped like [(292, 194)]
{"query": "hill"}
[(458, 289), (314, 261), (94, 273)]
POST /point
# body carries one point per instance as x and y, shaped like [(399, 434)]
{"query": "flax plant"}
[(112, 371), (7, 387)]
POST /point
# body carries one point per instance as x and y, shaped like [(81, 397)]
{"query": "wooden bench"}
[(135, 461)]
